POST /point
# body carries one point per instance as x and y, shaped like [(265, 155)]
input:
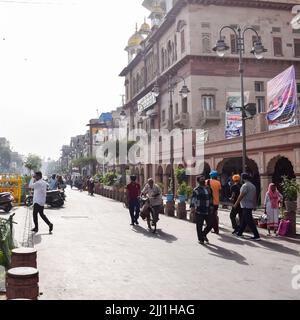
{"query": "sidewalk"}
[(225, 219)]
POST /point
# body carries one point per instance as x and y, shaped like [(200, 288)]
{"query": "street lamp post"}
[(172, 82), (258, 50)]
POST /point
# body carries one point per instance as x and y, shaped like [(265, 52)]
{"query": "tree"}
[(5, 158), (33, 162)]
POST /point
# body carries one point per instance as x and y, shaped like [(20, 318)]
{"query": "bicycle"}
[(147, 214)]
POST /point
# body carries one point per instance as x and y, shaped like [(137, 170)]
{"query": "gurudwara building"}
[(176, 50)]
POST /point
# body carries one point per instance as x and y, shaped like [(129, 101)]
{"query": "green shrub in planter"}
[(290, 189)]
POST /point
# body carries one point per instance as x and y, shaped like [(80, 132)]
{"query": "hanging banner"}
[(234, 124), (234, 100), (282, 100)]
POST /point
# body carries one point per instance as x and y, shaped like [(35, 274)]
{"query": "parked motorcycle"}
[(6, 200), (54, 199)]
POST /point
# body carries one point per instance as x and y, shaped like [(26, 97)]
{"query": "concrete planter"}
[(291, 206), (170, 209), (291, 216), (181, 211)]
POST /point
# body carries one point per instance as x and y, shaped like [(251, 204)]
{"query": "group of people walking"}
[(205, 204), (151, 190)]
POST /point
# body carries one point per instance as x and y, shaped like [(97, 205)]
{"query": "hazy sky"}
[(59, 63)]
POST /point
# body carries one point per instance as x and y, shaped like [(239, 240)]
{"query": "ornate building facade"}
[(179, 46)]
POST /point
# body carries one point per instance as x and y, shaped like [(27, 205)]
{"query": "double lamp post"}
[(258, 50)]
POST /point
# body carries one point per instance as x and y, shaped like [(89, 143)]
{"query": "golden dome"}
[(145, 27), (157, 8), (135, 40)]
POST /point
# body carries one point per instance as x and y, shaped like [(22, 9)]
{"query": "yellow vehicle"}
[(11, 183)]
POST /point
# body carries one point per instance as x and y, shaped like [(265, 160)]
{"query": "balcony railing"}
[(182, 120), (209, 115)]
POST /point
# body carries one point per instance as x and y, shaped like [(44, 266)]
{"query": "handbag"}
[(284, 227), (145, 212)]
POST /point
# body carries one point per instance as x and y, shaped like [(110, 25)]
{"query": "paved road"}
[(95, 254)]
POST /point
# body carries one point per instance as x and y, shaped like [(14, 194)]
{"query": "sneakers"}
[(239, 236), (201, 242), (206, 240), (35, 230), (50, 228), (255, 239)]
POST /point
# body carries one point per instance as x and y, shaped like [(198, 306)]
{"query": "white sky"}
[(59, 62)]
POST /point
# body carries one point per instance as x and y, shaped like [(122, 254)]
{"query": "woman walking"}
[(272, 201)]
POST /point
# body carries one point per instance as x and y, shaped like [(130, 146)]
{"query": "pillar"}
[(298, 199), (166, 182), (297, 171), (265, 181)]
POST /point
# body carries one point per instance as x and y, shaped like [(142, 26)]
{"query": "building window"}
[(261, 105), (163, 116), (206, 43), (184, 105), (162, 59), (297, 47), (277, 45), (208, 103), (259, 86), (233, 44), (276, 29), (205, 25), (176, 109), (182, 41)]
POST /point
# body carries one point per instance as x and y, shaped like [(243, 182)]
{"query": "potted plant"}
[(182, 192), (170, 195), (290, 193)]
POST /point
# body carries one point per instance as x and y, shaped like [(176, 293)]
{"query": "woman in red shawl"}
[(272, 201)]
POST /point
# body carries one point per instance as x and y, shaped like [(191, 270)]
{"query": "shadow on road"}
[(279, 247), (226, 254), (37, 239), (160, 235), (229, 238)]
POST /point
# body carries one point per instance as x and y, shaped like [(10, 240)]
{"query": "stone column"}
[(165, 182), (265, 181), (297, 172), (298, 199)]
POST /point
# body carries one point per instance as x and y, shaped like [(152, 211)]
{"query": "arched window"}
[(162, 59), (169, 57)]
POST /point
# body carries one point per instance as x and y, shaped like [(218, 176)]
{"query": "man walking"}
[(248, 201), (39, 199), (235, 193), (201, 205), (133, 193), (216, 188)]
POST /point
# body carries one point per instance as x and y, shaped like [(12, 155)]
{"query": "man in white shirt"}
[(39, 199), (154, 193)]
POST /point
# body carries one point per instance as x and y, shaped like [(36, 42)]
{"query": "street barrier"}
[(12, 183)]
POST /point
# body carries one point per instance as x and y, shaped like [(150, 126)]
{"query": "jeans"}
[(247, 220), (200, 218), (134, 210), (234, 212), (37, 209)]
